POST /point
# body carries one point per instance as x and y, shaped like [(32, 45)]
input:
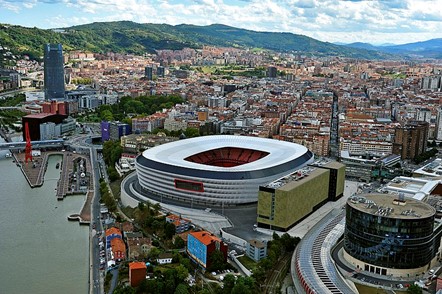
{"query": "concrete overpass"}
[(15, 146), (10, 107)]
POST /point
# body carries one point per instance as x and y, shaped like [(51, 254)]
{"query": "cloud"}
[(305, 4)]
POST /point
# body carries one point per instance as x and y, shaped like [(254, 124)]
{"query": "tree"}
[(156, 225), (414, 289), (217, 260), (240, 288), (169, 285), (149, 221), (141, 206), (112, 173), (275, 236), (192, 132), (259, 275), (178, 243), (181, 289), (156, 207), (265, 263), (229, 283), (154, 286), (249, 282), (169, 230), (186, 262), (288, 242), (181, 272), (106, 115), (120, 289), (154, 252)]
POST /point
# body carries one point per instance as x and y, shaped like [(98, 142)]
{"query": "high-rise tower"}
[(148, 72), (53, 71), (411, 139)]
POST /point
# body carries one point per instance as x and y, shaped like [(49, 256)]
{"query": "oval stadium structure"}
[(217, 170)]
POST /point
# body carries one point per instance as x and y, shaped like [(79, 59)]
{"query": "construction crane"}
[(28, 148)]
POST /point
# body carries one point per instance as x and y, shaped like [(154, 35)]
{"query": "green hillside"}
[(130, 37)]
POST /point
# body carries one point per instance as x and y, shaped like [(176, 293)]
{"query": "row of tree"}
[(170, 279), (146, 216), (188, 132), (275, 249), (426, 155), (142, 105), (106, 196), (111, 154)]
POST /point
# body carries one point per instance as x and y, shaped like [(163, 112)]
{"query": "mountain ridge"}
[(138, 38), (430, 48)]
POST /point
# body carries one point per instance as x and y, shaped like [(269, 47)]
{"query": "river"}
[(40, 251)]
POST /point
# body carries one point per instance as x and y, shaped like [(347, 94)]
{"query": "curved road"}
[(362, 278)]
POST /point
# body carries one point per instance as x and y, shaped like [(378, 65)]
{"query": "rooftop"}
[(137, 265), (433, 169), (112, 231), (257, 244), (175, 153), (205, 237), (391, 207), (417, 188), (328, 163), (296, 178), (118, 245), (38, 115)]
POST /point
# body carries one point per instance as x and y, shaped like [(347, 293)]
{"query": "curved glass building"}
[(383, 233)]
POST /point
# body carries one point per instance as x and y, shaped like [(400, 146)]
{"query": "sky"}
[(345, 21)]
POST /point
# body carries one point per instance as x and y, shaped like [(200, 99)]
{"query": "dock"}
[(34, 173), (84, 217)]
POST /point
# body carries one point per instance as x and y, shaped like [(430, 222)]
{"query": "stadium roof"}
[(174, 153)]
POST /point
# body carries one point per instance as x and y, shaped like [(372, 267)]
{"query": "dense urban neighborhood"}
[(233, 169)]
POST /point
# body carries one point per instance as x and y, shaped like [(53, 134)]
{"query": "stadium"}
[(217, 170)]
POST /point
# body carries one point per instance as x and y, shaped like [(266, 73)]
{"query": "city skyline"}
[(376, 22)]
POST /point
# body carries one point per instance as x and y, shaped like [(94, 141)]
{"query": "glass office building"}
[(385, 232), (53, 72)]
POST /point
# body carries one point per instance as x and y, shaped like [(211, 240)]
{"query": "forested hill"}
[(130, 37)]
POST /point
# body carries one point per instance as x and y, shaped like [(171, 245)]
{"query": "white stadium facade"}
[(217, 170)]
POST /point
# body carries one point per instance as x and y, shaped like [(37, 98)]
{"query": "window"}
[(189, 185)]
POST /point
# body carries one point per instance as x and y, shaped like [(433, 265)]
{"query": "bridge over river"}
[(16, 146)]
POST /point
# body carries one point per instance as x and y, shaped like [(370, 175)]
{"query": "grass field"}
[(373, 290), (248, 262)]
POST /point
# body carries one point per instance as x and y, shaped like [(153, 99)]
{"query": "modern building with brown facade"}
[(410, 140)]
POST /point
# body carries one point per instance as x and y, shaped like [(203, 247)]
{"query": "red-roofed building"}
[(201, 244), (181, 224), (137, 273), (118, 249), (111, 234)]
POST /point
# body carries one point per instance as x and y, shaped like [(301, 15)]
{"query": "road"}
[(95, 215), (18, 91), (96, 275)]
